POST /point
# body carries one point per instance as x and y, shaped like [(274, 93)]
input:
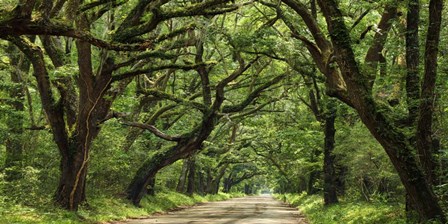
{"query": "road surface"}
[(247, 210)]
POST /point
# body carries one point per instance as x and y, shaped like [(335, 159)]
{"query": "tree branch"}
[(158, 16), (201, 107), (310, 22), (53, 111), (24, 9), (374, 54), (147, 55), (17, 27), (154, 69), (253, 110), (252, 96), (154, 130), (94, 4), (219, 98)]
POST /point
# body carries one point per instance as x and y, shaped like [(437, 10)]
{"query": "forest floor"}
[(252, 209)]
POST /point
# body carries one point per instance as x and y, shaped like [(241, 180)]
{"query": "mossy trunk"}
[(71, 191)]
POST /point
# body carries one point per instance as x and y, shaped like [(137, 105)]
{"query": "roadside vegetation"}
[(109, 107), (104, 209), (350, 212)]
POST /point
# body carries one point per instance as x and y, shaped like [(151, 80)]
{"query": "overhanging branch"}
[(252, 96), (163, 95), (154, 69), (154, 130), (16, 27)]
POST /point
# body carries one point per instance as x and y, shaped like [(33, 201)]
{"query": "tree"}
[(352, 84), (75, 115), (395, 142), (191, 142)]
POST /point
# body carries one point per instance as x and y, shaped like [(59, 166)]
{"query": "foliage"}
[(369, 172), (346, 211), (181, 53)]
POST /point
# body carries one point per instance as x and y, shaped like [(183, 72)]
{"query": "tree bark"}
[(247, 189), (228, 183), (71, 189), (201, 183), (412, 77), (151, 188), (314, 175), (183, 176), (191, 176), (426, 108), (412, 60), (330, 194)]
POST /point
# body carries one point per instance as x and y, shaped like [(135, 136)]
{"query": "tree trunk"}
[(214, 186), (227, 184), (151, 188), (183, 176), (208, 181), (137, 188), (71, 189), (191, 176), (330, 195), (411, 175), (340, 178), (426, 108), (412, 78), (201, 183), (412, 60), (247, 189), (314, 175)]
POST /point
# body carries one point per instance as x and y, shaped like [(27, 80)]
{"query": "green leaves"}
[(67, 70)]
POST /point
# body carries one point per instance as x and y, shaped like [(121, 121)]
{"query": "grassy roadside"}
[(103, 209), (344, 212)]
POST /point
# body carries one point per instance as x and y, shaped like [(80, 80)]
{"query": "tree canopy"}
[(129, 98)]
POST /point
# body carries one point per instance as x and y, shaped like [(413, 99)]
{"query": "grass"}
[(345, 212), (102, 209)]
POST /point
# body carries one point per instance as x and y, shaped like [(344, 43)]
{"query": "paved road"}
[(247, 210)]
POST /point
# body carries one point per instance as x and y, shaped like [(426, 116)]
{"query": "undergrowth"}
[(312, 206), (102, 209)]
